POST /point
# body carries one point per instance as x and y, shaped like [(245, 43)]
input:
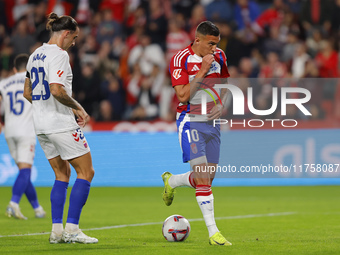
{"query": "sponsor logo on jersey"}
[(176, 73), (194, 148), (195, 68), (60, 73)]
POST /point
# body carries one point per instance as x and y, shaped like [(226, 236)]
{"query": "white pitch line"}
[(161, 222)]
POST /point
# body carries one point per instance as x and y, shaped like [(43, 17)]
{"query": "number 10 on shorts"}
[(194, 135)]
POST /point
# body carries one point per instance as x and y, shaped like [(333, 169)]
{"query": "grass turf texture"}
[(313, 228)]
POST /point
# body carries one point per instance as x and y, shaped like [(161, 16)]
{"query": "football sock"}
[(20, 184), (70, 227), (31, 195), (185, 179), (58, 198), (57, 228), (205, 200), (78, 197)]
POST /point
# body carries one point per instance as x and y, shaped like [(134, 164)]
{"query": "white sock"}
[(206, 204), (180, 180), (16, 205), (57, 228), (70, 227)]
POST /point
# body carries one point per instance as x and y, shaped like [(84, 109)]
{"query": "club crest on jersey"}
[(60, 73), (194, 148), (176, 73)]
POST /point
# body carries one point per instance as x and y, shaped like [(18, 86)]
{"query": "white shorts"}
[(22, 148), (69, 144)]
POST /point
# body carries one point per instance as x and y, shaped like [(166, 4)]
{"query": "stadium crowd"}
[(121, 57)]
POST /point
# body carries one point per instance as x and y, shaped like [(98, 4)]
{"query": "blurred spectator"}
[(146, 107), (146, 55), (87, 88), (157, 23), (336, 17), (317, 14), (273, 67), (88, 51), (21, 39), (105, 111), (271, 17), (6, 58), (273, 43), (247, 68), (39, 17), (118, 8), (112, 92), (219, 10), (314, 42), (289, 49), (197, 16), (294, 5), (288, 26), (327, 60), (246, 12), (184, 7), (168, 102), (176, 39), (299, 61), (108, 28), (232, 46)]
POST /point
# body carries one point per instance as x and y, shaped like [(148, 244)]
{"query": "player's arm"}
[(28, 89), (59, 93), (187, 91), (216, 111)]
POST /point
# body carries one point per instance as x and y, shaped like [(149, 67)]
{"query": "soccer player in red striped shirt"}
[(198, 137)]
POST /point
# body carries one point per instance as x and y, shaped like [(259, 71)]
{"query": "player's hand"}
[(82, 117), (0, 127), (207, 60), (215, 112)]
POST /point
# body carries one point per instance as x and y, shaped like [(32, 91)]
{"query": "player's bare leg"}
[(203, 178), (78, 198), (62, 173)]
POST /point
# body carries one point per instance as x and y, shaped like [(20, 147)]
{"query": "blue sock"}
[(20, 184), (58, 198), (31, 195), (79, 194)]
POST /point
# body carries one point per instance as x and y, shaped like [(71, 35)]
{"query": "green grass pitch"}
[(310, 223)]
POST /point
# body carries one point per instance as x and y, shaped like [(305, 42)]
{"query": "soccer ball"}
[(176, 228)]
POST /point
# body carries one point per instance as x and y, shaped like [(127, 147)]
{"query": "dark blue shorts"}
[(199, 139)]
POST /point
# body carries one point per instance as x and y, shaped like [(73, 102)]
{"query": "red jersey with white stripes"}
[(183, 68)]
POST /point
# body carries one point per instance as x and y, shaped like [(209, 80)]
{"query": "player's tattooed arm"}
[(28, 90), (60, 94)]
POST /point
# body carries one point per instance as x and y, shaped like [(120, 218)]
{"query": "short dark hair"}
[(56, 23), (20, 61), (208, 28)]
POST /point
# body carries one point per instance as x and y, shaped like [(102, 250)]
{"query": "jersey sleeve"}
[(59, 67), (223, 63), (178, 72)]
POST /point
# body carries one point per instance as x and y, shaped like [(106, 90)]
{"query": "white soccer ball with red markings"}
[(176, 228)]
